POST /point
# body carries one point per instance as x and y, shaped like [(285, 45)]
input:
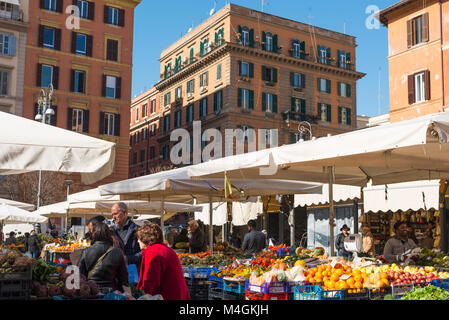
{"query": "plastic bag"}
[(133, 277), (150, 297)]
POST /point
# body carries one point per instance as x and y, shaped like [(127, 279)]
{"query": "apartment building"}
[(89, 66), (418, 43), (245, 69), (13, 37)]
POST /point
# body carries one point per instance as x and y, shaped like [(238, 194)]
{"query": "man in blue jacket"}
[(254, 241), (126, 229)]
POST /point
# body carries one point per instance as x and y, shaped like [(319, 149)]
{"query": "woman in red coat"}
[(160, 272)]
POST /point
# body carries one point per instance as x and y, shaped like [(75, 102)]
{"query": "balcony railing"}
[(16, 15), (297, 116)]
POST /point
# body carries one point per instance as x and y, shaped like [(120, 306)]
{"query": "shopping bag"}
[(133, 277)]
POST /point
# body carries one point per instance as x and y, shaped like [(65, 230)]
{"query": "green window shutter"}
[(348, 90), (275, 74), (328, 113), (240, 67), (251, 99), (339, 114), (319, 84), (319, 110), (275, 103), (348, 116), (302, 47), (201, 48), (293, 105), (338, 58), (240, 32), (328, 54), (348, 56), (328, 85), (264, 102), (215, 101), (251, 38), (216, 38), (264, 73), (293, 46), (275, 43), (239, 99), (303, 106), (191, 55), (264, 40), (339, 88), (319, 53), (251, 70), (303, 80)]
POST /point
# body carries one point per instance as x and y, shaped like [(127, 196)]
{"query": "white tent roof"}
[(398, 152), (21, 205), (341, 193), (10, 214), (242, 212), (402, 196), (39, 146)]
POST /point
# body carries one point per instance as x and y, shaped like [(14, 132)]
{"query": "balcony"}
[(15, 14), (177, 103), (297, 116)]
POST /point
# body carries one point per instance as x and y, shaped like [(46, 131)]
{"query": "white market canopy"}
[(410, 150), (242, 212), (21, 205), (39, 146), (10, 214), (341, 193)]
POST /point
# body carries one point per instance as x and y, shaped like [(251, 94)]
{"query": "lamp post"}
[(68, 182)]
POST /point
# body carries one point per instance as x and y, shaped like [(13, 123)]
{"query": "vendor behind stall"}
[(340, 242), (396, 246), (12, 239)]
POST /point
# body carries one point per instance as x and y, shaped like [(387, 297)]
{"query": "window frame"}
[(4, 83), (77, 117), (420, 87), (245, 36), (113, 16), (109, 124), (50, 5), (219, 71), (83, 6), (269, 42), (115, 86), (76, 81), (53, 31), (245, 98), (50, 67)]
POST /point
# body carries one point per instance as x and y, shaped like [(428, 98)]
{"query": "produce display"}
[(429, 292), (68, 246), (433, 258), (14, 258)]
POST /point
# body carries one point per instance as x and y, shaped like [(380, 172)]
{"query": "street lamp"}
[(68, 182)]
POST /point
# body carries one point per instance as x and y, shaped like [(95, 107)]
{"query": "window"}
[(418, 30), (84, 9), (49, 38), (218, 101), (219, 35), (203, 107), (245, 99), (166, 123), (47, 76), (142, 155), (8, 44), (245, 36), (219, 71), (324, 55), (269, 102), (111, 84), (324, 85), (343, 59), (344, 90), (245, 69), (204, 46), (153, 106), (420, 87), (135, 159), (189, 113), (113, 16), (191, 86), (204, 79), (166, 152), (178, 93), (77, 120), (152, 152), (297, 80), (136, 137), (298, 49), (167, 99), (79, 79), (81, 44), (144, 110), (4, 76), (112, 50), (109, 124), (324, 112), (298, 105), (144, 134), (137, 114), (344, 115), (50, 5), (177, 119), (269, 74)]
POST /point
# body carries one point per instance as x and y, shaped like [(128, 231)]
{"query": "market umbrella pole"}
[(162, 217), (331, 209), (292, 222), (211, 229)]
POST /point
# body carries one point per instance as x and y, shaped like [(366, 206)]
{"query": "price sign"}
[(345, 277)]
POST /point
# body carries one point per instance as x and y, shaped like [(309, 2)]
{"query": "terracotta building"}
[(89, 66), (245, 69), (418, 42), (13, 37)]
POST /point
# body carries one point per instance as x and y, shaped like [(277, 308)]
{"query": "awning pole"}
[(292, 222), (162, 216), (211, 228), (84, 226), (331, 210)]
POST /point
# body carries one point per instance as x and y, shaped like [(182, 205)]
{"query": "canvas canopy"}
[(48, 148), (21, 205), (10, 214)]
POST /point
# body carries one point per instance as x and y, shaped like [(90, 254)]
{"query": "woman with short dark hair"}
[(160, 271), (103, 263)]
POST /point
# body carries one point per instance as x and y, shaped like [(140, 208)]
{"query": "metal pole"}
[(292, 223), (162, 216), (211, 228), (331, 210)]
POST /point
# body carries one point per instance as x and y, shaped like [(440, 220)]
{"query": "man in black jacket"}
[(33, 244), (197, 241), (126, 229), (340, 242), (254, 241)]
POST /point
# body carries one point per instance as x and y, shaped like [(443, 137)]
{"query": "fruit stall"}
[(61, 250), (283, 273)]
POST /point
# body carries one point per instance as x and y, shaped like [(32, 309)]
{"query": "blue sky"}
[(160, 23)]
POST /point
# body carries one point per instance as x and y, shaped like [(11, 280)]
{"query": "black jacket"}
[(111, 272), (340, 242), (128, 236), (253, 242), (198, 241), (32, 243)]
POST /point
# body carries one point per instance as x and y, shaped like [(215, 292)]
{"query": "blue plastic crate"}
[(313, 292), (291, 284), (281, 252), (267, 287), (441, 283), (202, 273), (232, 286)]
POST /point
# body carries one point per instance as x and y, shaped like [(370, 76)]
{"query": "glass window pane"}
[(47, 76), (81, 43), (49, 38)]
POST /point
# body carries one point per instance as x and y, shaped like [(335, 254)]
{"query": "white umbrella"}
[(21, 205), (44, 147), (10, 214)]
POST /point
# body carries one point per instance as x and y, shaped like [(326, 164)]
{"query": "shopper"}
[(117, 242), (171, 235), (12, 239), (103, 263), (340, 242), (236, 240), (396, 246), (33, 244), (368, 240), (269, 241), (181, 237), (160, 272), (254, 241), (125, 229), (25, 242), (197, 241)]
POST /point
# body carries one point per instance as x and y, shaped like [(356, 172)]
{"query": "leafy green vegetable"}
[(429, 292)]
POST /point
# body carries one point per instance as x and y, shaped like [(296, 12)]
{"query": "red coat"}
[(161, 273)]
